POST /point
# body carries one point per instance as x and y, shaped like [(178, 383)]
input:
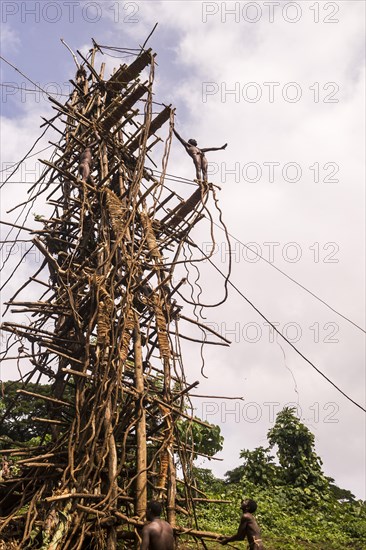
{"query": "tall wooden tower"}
[(104, 333)]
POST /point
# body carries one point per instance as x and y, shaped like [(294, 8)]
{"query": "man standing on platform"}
[(198, 155)]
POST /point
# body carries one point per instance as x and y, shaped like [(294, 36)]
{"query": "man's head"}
[(249, 505), (192, 142), (153, 510)]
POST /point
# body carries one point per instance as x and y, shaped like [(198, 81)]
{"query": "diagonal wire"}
[(286, 340)]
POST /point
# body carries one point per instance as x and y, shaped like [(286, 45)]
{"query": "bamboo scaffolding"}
[(110, 440)]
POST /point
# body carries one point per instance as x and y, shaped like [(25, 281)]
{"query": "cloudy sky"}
[(283, 84)]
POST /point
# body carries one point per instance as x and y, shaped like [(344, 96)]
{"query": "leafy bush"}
[(298, 506), (285, 526)]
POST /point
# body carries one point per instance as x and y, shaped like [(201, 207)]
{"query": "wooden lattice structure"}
[(104, 331)]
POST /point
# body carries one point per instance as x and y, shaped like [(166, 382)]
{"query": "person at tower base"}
[(157, 534), (248, 527), (198, 155)]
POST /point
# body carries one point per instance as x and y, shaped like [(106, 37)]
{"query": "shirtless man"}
[(85, 165), (198, 155), (157, 534), (248, 527)]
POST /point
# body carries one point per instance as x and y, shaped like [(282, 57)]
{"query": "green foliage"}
[(259, 467), (340, 494), (206, 482), (17, 411), (331, 526), (298, 507), (205, 440), (300, 465), (235, 475), (17, 424), (38, 217)]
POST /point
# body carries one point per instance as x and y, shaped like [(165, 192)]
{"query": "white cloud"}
[(9, 39), (329, 216), (306, 212)]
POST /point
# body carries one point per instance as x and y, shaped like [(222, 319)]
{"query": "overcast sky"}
[(283, 84)]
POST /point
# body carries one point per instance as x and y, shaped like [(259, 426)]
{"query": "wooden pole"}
[(141, 462)]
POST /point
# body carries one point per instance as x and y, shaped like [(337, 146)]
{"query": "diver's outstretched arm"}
[(183, 142), (214, 148)]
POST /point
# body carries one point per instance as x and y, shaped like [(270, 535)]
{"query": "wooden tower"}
[(104, 333)]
